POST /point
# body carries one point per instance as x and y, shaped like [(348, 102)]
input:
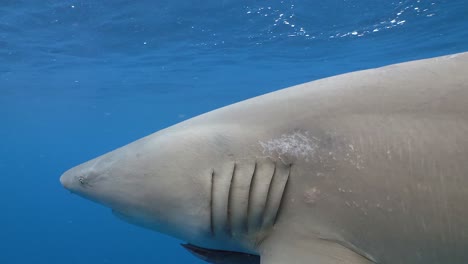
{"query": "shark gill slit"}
[(211, 202), (270, 189), (249, 204), (275, 195), (229, 202), (281, 203), (267, 201)]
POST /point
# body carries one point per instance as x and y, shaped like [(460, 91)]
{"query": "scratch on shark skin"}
[(292, 145)]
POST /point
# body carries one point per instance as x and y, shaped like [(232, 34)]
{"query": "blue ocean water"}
[(79, 78)]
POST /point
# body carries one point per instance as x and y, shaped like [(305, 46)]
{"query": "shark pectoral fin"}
[(315, 251), (222, 257)]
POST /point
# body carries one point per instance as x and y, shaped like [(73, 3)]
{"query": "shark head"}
[(162, 182), (179, 182)]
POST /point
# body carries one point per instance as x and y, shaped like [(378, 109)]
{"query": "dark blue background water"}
[(80, 78)]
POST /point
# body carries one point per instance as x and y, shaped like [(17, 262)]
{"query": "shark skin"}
[(360, 168)]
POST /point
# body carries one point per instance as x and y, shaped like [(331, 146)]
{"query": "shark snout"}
[(72, 179), (66, 180)]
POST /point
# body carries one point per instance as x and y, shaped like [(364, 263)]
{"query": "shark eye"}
[(81, 180)]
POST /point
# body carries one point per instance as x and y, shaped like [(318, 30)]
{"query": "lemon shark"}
[(360, 168)]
